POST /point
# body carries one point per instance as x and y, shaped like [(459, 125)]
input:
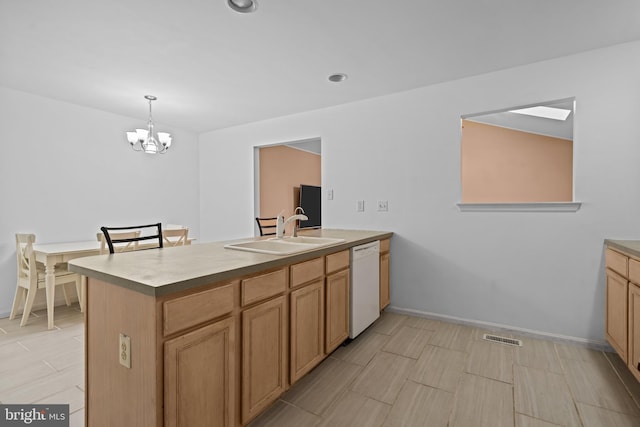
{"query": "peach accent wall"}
[(506, 165), (282, 169)]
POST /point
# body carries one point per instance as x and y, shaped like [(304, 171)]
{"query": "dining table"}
[(51, 254)]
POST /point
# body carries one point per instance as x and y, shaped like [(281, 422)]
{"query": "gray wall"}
[(536, 271), (65, 170)]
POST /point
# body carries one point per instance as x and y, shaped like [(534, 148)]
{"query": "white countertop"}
[(168, 270)]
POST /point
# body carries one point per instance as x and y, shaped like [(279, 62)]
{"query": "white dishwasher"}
[(365, 287)]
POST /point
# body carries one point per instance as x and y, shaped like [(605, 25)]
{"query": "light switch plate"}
[(360, 207), (329, 194), (124, 351)]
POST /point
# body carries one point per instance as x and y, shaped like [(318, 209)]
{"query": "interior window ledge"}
[(520, 207)]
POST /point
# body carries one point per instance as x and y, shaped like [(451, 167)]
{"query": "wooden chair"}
[(31, 277), (175, 236), (267, 226), (122, 247), (112, 238)]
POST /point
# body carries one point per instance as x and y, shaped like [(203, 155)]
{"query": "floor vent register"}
[(502, 340)]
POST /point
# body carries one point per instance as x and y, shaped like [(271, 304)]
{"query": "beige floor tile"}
[(77, 419), (418, 405), (538, 354), (65, 359), (282, 414), (544, 395), (317, 390), (491, 360), (593, 416), (576, 352), (19, 359), (439, 367), (71, 395), (354, 410), (629, 381), (408, 342), (388, 323), (383, 377), (527, 421), (15, 378), (43, 386), (423, 323), (481, 402), (54, 342), (596, 383), (362, 349), (453, 336)]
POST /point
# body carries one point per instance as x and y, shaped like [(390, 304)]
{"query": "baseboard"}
[(595, 345)]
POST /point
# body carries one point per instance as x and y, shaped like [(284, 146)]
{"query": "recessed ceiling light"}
[(243, 6), (546, 112), (337, 78)]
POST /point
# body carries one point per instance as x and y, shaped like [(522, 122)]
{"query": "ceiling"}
[(562, 129), (211, 67)]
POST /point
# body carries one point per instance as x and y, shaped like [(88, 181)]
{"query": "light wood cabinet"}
[(622, 327), (385, 294), (264, 355), (217, 354), (307, 329), (616, 320), (337, 311), (634, 330), (199, 377)]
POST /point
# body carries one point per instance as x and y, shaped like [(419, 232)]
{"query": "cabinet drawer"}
[(190, 310), (634, 271), (617, 262), (263, 286), (337, 261), (385, 245), (306, 271)]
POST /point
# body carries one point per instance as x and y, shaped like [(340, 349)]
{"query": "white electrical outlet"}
[(329, 194), (383, 205), (124, 351), (360, 207)]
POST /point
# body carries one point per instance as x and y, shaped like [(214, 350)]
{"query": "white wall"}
[(66, 170), (538, 271)]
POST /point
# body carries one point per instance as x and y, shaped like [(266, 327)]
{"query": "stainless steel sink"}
[(284, 246)]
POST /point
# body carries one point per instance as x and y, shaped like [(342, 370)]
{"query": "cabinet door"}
[(337, 312), (264, 356), (199, 377), (384, 281), (616, 325), (307, 328), (634, 329)]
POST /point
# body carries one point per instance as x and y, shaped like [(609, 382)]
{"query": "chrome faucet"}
[(281, 223)]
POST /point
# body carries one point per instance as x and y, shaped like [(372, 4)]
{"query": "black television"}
[(311, 202)]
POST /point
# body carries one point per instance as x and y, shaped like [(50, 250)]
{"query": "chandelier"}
[(144, 140)]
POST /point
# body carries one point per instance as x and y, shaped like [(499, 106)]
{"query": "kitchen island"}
[(203, 335)]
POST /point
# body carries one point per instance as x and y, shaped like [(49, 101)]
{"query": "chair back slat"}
[(267, 226), (119, 247), (175, 236), (118, 238), (25, 255)]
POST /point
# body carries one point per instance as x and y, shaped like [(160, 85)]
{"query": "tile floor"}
[(410, 371), (403, 371), (42, 366)]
